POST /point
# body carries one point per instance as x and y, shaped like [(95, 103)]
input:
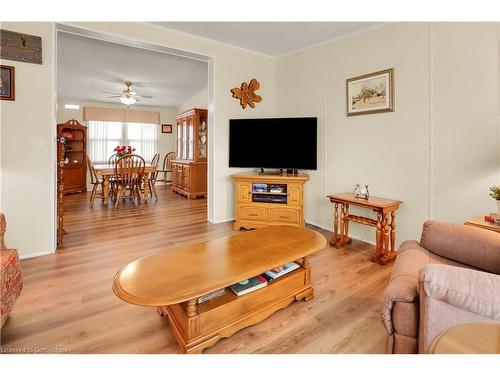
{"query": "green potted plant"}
[(495, 194)]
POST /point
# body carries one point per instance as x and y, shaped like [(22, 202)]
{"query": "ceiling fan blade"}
[(116, 96), (110, 92), (144, 96)]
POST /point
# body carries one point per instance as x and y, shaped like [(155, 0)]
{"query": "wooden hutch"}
[(75, 155), (189, 170)]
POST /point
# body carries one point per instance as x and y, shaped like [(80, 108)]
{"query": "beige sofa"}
[(450, 277)]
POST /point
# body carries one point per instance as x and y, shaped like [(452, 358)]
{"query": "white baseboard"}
[(352, 236), (223, 221), (39, 254)]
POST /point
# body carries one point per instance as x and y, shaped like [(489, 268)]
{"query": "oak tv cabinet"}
[(263, 200)]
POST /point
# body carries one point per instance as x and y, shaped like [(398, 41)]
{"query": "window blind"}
[(120, 115)]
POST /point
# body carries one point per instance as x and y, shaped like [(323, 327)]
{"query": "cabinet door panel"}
[(186, 178), (244, 192), (294, 194), (174, 175), (73, 178)]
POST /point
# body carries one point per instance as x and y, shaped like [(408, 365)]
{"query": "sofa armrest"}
[(400, 289), (450, 296)]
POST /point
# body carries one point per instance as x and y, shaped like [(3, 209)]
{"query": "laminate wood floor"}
[(67, 305)]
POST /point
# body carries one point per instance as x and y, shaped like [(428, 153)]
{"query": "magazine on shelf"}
[(212, 295), (289, 267), (250, 285)]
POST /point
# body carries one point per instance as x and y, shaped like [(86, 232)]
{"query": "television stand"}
[(264, 200)]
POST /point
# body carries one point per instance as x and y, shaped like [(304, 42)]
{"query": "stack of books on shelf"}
[(212, 295), (260, 281), (493, 218)]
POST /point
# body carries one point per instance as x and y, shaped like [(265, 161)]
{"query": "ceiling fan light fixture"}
[(128, 100)]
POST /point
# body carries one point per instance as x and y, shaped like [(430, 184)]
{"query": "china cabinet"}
[(189, 170), (73, 156)]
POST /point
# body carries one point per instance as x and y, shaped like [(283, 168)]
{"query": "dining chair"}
[(129, 172), (95, 181), (112, 159), (153, 176), (167, 166)]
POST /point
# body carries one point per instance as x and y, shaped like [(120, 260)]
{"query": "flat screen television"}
[(277, 143)]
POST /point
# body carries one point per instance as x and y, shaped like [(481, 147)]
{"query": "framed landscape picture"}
[(166, 128), (7, 82), (370, 93)]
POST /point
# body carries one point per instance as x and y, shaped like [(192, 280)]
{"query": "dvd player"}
[(269, 198)]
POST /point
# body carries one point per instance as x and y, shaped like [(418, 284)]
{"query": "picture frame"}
[(166, 128), (7, 82), (370, 93)]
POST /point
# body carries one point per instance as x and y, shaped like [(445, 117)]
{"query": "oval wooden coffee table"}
[(172, 281)]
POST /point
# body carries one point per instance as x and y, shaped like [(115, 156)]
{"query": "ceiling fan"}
[(127, 96)]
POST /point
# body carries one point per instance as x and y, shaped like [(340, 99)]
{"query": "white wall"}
[(28, 176), (464, 118), (438, 152), (198, 100)]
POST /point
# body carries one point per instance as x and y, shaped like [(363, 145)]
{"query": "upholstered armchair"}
[(11, 279), (450, 277)]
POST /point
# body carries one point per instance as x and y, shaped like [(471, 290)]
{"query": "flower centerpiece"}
[(495, 194), (123, 150)]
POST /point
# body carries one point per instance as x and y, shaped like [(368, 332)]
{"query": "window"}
[(104, 136)]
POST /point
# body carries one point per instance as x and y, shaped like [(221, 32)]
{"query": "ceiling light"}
[(72, 106), (128, 100), (129, 96)]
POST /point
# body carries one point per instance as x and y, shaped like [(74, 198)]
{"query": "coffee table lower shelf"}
[(197, 327)]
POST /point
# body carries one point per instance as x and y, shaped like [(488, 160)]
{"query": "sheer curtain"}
[(104, 136), (142, 137)]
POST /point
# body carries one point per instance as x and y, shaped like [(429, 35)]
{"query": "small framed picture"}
[(370, 93), (166, 128), (7, 82)]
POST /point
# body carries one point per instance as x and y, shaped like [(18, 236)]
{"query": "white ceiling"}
[(86, 67), (270, 38)]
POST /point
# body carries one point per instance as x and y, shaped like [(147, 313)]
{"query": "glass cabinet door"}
[(190, 139), (184, 140), (202, 140), (179, 141)]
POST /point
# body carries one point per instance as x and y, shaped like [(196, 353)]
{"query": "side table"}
[(470, 338), (479, 222), (385, 251)]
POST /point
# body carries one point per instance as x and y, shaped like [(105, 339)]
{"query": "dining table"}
[(106, 171)]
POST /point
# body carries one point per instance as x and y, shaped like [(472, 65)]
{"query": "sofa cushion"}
[(476, 247), (470, 290)]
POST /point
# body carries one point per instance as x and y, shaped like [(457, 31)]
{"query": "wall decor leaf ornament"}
[(246, 93)]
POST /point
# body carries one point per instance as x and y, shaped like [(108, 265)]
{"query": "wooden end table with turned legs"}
[(385, 224)]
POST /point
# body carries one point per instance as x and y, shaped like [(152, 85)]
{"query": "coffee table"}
[(172, 281)]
